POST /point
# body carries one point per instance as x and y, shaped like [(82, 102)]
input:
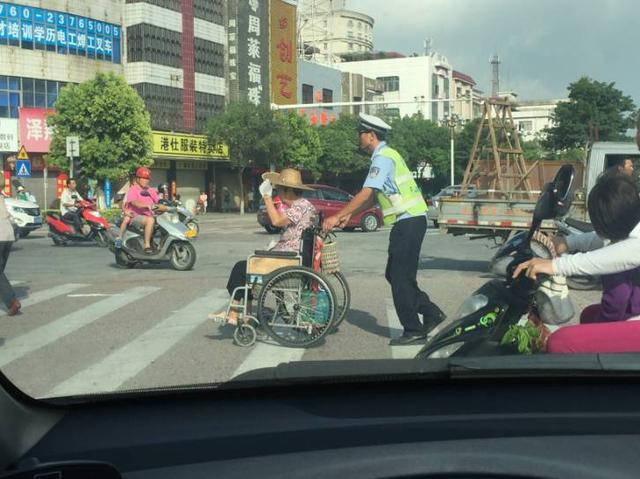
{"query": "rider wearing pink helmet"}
[(140, 202)]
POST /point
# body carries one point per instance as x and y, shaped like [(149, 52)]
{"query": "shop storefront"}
[(189, 164)]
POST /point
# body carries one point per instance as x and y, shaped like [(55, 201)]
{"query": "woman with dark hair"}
[(299, 215), (614, 209)]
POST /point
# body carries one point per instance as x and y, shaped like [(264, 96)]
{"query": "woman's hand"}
[(534, 267), (266, 189)]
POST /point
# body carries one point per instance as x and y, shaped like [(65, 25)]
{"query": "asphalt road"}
[(88, 326)]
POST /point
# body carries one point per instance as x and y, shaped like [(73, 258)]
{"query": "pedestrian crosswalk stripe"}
[(128, 361), (395, 331), (266, 355), (19, 346), (47, 294)]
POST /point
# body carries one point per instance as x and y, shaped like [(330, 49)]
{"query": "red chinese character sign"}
[(35, 135), (284, 61)]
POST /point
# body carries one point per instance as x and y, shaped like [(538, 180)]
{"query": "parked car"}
[(448, 192), (328, 200), (25, 216)]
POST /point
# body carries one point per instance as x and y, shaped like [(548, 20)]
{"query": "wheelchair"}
[(297, 303)]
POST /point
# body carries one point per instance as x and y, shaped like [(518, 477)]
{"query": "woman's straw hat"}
[(288, 177)]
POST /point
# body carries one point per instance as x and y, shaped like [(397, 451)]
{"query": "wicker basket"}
[(330, 259)]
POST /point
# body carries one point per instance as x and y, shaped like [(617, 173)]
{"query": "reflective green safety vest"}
[(409, 198)]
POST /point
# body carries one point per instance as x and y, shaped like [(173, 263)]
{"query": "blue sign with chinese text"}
[(40, 29)]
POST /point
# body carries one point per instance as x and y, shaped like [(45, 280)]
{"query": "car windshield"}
[(197, 196)]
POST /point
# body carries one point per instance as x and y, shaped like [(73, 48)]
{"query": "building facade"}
[(175, 54), (532, 117), (468, 99), (41, 50), (357, 87), (410, 84), (327, 29), (319, 84)]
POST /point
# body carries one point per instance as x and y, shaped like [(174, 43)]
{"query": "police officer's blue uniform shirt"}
[(381, 175)]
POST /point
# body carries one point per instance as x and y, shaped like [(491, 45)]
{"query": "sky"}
[(543, 44)]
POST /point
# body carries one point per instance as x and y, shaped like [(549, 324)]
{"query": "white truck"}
[(499, 213)]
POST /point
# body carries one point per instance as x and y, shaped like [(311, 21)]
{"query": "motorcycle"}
[(499, 305), (170, 242), (94, 226)]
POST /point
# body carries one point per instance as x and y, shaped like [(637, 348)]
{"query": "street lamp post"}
[(451, 121)]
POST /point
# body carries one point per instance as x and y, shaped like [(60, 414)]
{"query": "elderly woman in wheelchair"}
[(296, 305)]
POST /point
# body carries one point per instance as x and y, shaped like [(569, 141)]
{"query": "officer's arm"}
[(362, 201)]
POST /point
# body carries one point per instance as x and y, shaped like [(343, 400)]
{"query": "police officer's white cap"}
[(373, 123)]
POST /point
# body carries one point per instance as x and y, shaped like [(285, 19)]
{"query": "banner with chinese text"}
[(249, 51), (187, 146), (9, 135), (35, 135), (284, 59)]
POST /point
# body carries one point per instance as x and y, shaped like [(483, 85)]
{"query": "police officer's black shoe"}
[(432, 315), (407, 339)]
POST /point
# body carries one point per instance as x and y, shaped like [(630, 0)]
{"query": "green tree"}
[(340, 148), (596, 111), (303, 147), (420, 140), (112, 123), (254, 135)]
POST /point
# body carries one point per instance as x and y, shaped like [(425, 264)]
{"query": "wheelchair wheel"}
[(343, 295), (245, 335), (296, 306)]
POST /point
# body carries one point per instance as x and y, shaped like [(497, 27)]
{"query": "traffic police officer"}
[(392, 185)]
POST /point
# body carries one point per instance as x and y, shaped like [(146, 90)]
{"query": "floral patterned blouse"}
[(302, 215)]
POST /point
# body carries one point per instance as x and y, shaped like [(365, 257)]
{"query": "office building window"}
[(349, 34), (148, 43), (350, 46), (327, 96), (211, 11), (209, 57), (174, 5), (307, 93), (16, 92), (207, 106), (350, 23), (164, 104), (390, 83), (435, 87)]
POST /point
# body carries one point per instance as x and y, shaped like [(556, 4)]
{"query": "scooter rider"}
[(391, 184), (68, 209), (141, 201)]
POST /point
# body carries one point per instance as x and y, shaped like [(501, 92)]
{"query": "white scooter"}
[(170, 242)]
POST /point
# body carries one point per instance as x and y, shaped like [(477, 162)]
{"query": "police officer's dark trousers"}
[(405, 242)]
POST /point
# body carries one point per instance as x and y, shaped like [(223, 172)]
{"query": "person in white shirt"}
[(68, 209)]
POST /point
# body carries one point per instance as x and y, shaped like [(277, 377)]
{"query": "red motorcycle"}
[(94, 226)]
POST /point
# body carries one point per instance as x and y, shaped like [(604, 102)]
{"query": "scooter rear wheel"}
[(123, 260), (58, 241), (101, 239)]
